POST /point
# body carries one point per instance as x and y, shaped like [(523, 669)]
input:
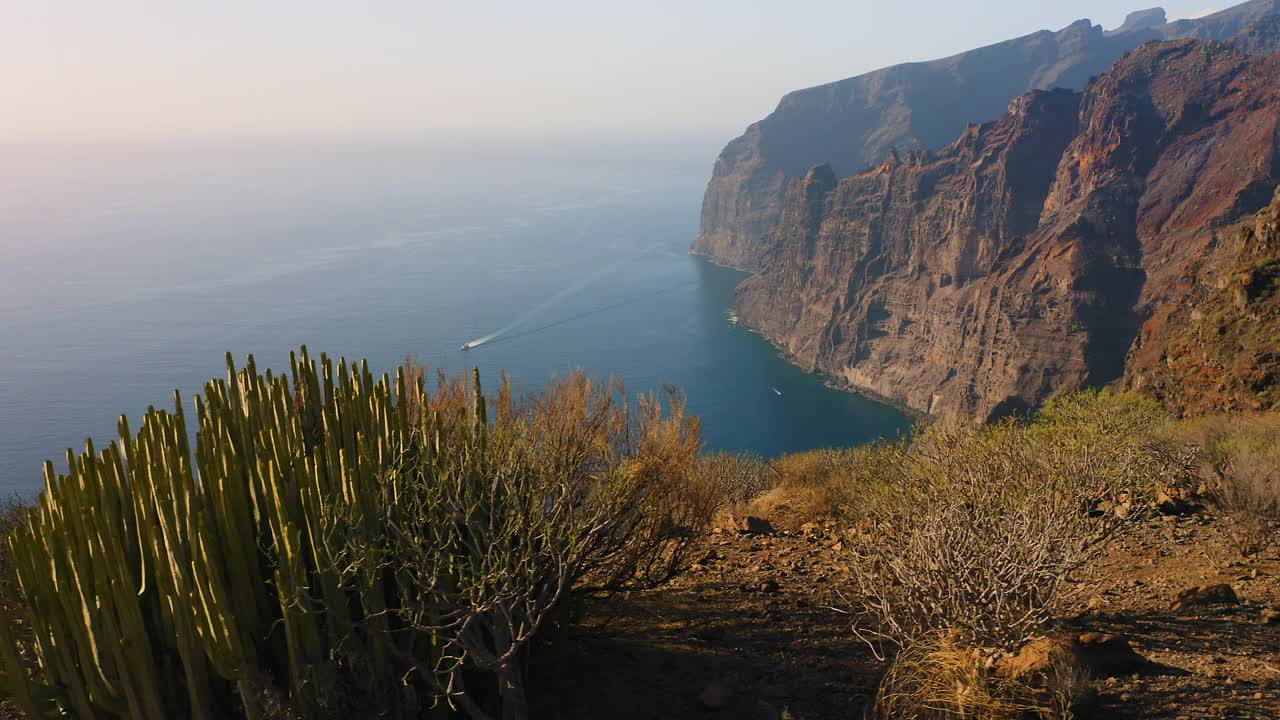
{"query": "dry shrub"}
[(563, 493), (967, 542), (1241, 467), (940, 678), (800, 491), (1122, 444), (832, 483), (736, 479), (788, 507), (977, 541)]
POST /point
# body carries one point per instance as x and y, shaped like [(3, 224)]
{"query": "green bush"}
[(333, 542), (1123, 445)]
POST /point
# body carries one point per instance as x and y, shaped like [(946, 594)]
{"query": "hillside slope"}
[(1220, 349), (855, 122), (1026, 257)]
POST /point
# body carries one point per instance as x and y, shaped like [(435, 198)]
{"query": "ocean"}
[(128, 270)]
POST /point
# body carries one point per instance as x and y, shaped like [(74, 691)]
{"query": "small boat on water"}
[(775, 390), (467, 346), (733, 317)]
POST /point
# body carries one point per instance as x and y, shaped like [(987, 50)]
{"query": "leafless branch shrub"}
[(977, 542), (496, 524), (736, 478)]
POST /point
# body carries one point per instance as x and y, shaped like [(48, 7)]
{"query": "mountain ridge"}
[(1025, 258), (855, 122)]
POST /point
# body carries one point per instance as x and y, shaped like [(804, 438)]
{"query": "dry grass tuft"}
[(940, 678), (787, 507)]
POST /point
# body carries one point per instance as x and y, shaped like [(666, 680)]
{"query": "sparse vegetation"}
[(940, 678), (334, 544), (979, 544), (963, 543)]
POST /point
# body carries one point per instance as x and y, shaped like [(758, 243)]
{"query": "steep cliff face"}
[(854, 123), (1220, 349), (1259, 38), (1027, 256)]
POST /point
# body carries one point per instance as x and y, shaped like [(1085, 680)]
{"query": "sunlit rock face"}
[(1026, 257), (853, 124)]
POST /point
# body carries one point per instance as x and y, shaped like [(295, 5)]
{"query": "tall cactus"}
[(334, 540), (222, 556)]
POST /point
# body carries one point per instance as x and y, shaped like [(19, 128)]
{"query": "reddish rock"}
[(1039, 253), (858, 121), (1217, 594), (1101, 655)]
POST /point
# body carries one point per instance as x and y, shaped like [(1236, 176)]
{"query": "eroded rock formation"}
[(854, 123), (1219, 350), (1026, 257)]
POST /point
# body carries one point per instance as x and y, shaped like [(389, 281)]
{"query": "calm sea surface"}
[(128, 271)]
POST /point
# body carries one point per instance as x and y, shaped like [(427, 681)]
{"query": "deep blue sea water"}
[(128, 270)]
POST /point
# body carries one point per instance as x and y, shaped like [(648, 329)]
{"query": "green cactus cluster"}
[(164, 580)]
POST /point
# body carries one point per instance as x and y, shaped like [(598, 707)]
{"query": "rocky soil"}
[(758, 629)]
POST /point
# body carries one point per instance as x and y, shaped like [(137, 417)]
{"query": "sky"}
[(141, 69)]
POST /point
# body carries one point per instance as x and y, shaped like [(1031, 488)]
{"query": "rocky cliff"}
[(1220, 349), (1259, 38), (1026, 257), (854, 123)]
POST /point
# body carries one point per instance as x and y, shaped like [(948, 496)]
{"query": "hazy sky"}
[(321, 68)]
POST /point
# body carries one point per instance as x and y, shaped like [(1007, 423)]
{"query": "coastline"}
[(834, 383)]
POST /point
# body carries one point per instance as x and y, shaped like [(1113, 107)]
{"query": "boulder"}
[(1106, 655), (1038, 657), (1170, 504), (1101, 655), (1203, 595), (752, 525)]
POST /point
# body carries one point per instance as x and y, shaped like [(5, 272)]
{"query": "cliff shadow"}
[(1113, 323)]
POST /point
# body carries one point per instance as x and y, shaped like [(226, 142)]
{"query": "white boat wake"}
[(550, 302)]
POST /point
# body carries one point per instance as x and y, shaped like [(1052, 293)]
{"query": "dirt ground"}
[(759, 630)]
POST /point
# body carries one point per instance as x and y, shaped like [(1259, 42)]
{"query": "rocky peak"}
[(853, 123), (820, 180), (1142, 20), (1259, 38), (817, 184)]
